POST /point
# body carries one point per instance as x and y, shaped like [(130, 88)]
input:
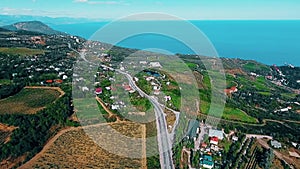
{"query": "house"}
[(269, 77), (49, 81), (150, 78), (98, 90), (107, 88), (168, 98), (284, 110), (235, 138), (294, 154), (207, 162), (231, 90), (214, 148), (253, 74), (203, 145), (126, 87), (216, 133), (294, 144), (143, 62), (115, 107), (214, 140), (155, 65), (275, 144), (65, 77), (59, 81), (85, 89)]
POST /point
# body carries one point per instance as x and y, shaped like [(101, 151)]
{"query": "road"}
[(203, 131), (164, 142)]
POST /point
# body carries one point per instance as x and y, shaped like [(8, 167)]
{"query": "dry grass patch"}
[(5, 132), (76, 149), (170, 118)]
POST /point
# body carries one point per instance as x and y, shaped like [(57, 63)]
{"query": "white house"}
[(275, 144), (85, 89), (235, 138), (143, 62), (155, 64), (216, 133), (168, 98)]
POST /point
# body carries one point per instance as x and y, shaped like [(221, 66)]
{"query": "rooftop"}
[(216, 133)]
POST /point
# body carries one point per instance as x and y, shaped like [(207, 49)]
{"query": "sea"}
[(266, 41)]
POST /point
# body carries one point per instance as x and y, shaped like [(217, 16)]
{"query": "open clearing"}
[(75, 149), (21, 51), (5, 132), (29, 100)]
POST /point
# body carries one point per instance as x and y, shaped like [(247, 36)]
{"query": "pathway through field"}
[(48, 145)]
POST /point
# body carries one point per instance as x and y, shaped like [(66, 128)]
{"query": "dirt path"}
[(278, 154), (107, 109), (144, 150), (29, 163), (189, 156), (46, 87), (46, 147)]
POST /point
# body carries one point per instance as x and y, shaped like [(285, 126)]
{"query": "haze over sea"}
[(269, 42)]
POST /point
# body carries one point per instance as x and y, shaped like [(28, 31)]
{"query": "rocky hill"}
[(33, 26)]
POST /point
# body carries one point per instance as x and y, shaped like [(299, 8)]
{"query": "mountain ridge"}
[(33, 26)]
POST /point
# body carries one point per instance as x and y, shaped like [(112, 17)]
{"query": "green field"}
[(252, 66), (5, 81), (21, 51), (228, 113), (28, 101)]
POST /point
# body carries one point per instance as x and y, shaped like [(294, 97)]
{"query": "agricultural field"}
[(21, 51), (228, 113), (76, 149), (28, 101), (254, 66)]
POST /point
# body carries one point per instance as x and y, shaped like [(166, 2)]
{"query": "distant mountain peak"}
[(33, 26)]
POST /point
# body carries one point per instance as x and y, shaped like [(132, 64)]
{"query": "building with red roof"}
[(49, 81), (98, 90), (127, 87), (58, 81), (214, 140), (231, 90)]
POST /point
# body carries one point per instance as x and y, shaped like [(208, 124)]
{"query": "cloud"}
[(94, 2), (25, 11), (80, 1)]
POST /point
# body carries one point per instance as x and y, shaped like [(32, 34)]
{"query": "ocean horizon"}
[(266, 41)]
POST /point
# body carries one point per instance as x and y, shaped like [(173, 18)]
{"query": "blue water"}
[(269, 42)]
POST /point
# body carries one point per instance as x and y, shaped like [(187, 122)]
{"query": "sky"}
[(187, 9)]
